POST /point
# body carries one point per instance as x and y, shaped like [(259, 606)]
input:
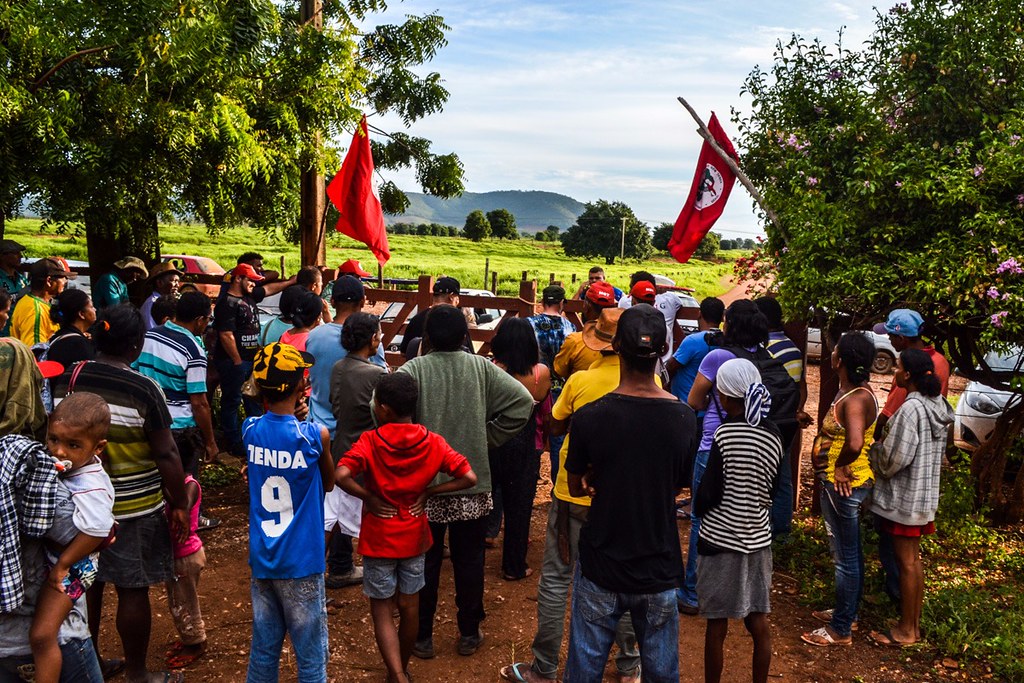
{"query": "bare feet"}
[(521, 673)]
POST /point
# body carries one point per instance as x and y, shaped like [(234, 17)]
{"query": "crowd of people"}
[(109, 417)]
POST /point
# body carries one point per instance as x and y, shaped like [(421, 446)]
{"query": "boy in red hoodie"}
[(398, 460)]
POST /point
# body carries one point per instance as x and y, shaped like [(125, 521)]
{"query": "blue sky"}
[(580, 97)]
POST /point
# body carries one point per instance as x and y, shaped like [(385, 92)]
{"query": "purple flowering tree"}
[(897, 173)]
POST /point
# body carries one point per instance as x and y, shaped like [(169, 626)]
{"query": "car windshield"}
[(1010, 361)]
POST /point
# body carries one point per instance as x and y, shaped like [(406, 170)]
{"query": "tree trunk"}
[(988, 466), (3, 224), (140, 237)]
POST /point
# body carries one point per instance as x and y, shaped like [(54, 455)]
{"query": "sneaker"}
[(424, 649), (470, 644), (207, 523), (341, 580), (688, 610)]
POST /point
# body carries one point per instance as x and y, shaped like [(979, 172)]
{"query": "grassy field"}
[(410, 256)]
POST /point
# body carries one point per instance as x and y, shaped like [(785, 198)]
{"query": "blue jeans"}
[(232, 377), (81, 665), (782, 495), (842, 522), (294, 606), (687, 595), (595, 616), (890, 568)]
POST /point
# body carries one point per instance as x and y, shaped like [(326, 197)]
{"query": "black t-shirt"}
[(238, 315), (68, 346), (414, 330), (637, 449)]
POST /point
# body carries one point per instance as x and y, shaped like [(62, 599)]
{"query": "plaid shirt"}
[(28, 484)]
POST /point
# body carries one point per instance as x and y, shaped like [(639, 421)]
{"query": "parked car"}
[(885, 354), (980, 405), (194, 265), (82, 282), (486, 318)]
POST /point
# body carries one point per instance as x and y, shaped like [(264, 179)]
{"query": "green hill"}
[(534, 210)]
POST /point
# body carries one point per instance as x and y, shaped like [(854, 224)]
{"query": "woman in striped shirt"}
[(734, 500)]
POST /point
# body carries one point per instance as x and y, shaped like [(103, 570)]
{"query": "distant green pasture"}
[(410, 256)]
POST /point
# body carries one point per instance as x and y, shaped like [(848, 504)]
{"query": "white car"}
[(980, 405), (486, 318), (885, 354), (81, 282)]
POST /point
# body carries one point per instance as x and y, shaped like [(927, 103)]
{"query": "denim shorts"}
[(383, 577), (141, 554)]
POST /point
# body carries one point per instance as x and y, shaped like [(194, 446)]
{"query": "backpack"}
[(784, 391)]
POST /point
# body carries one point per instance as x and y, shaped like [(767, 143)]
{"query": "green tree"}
[(503, 224), (897, 173), (477, 226), (599, 232), (709, 246), (662, 234), (116, 114), (552, 232)]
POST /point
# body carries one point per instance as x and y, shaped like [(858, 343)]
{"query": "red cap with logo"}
[(644, 291), (601, 294), (353, 267), (247, 271)]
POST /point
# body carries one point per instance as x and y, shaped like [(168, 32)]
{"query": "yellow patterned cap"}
[(277, 366)]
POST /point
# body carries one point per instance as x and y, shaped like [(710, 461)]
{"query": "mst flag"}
[(712, 184), (353, 193)]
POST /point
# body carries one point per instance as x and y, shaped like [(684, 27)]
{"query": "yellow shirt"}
[(579, 390), (31, 322), (574, 356)]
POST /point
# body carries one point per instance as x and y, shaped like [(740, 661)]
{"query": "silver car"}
[(980, 405), (885, 354)]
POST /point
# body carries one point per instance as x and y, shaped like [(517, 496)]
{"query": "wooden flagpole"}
[(734, 167)]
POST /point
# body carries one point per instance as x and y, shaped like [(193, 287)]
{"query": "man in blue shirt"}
[(684, 363), (111, 288), (324, 343), (11, 278)]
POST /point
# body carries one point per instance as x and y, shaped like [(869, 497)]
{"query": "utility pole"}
[(312, 199), (622, 249)]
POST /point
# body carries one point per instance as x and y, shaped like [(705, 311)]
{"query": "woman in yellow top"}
[(840, 458)]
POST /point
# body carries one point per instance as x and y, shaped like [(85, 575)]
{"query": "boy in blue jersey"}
[(289, 469)]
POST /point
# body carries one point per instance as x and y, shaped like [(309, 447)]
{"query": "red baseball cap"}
[(248, 272), (644, 291), (601, 294), (354, 267)]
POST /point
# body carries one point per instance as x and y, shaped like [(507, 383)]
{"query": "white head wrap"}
[(739, 378)]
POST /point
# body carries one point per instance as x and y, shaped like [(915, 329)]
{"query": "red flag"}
[(712, 184), (353, 193)]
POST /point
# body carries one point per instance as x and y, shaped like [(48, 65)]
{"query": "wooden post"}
[(380, 276), (494, 282), (487, 268), (312, 191), (425, 292), (528, 298), (574, 278), (551, 278), (525, 274), (283, 276)]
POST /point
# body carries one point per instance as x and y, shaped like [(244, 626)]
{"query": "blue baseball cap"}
[(902, 322)]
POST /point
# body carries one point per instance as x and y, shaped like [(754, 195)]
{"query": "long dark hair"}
[(65, 308), (745, 324), (922, 371), (857, 353), (119, 331), (515, 346)]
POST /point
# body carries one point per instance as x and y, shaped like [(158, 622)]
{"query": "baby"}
[(75, 437)]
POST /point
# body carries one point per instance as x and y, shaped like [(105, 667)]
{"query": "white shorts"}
[(344, 510)]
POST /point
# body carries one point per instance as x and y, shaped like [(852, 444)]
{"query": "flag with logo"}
[(354, 193), (711, 186)]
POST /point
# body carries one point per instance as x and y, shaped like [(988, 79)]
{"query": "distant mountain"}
[(534, 210)]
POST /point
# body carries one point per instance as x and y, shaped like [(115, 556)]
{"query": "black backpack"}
[(784, 391)]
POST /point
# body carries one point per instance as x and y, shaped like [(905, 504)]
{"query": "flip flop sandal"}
[(111, 667), (174, 649), (173, 676), (820, 637), (182, 660), (509, 577), (511, 673), (885, 639), (826, 616)]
